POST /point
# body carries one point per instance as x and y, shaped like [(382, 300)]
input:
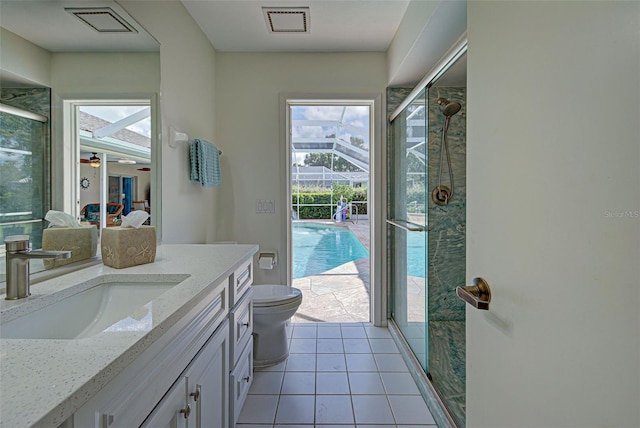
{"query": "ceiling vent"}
[(102, 19), (287, 19)]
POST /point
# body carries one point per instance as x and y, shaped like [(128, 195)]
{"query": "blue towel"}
[(205, 163)]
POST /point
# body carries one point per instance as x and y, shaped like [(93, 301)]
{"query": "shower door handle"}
[(477, 295), (406, 225)]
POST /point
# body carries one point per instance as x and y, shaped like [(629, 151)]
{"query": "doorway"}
[(111, 155), (329, 188)]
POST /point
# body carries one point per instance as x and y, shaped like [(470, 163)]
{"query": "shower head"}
[(449, 108)]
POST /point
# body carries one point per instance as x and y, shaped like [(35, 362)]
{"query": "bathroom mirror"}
[(67, 57)]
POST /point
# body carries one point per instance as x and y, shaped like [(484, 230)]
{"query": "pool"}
[(416, 257), (318, 248)]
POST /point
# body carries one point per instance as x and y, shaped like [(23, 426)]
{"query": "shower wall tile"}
[(36, 100), (446, 248)]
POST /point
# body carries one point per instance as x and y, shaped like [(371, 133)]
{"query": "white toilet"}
[(273, 305)]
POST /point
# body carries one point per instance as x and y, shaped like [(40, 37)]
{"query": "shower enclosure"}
[(426, 219)]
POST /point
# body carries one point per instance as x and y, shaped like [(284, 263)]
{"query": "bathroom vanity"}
[(174, 350)]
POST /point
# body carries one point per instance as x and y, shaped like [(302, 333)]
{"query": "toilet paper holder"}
[(267, 259)]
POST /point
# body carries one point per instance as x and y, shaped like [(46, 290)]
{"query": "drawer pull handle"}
[(195, 395), (186, 411), (246, 378), (246, 324)]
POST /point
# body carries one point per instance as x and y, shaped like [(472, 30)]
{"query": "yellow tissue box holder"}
[(124, 247), (81, 241)]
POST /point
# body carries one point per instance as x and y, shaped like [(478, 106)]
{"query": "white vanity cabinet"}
[(240, 340), (198, 399), (181, 380)]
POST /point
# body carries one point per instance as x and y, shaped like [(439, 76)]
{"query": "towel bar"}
[(176, 137)]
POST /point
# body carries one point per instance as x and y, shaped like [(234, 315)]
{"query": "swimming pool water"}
[(416, 257), (318, 248)]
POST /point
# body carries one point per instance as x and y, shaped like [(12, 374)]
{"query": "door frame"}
[(66, 151), (376, 195)]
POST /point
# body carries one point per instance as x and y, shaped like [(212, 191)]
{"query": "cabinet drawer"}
[(240, 381), (241, 282), (241, 326)]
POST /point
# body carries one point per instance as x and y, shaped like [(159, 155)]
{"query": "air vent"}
[(287, 19), (102, 19)]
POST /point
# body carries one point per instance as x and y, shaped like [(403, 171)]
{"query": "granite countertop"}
[(44, 381)]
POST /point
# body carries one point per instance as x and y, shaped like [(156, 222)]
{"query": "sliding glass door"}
[(407, 222)]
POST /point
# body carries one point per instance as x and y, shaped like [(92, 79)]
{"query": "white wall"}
[(187, 63), (23, 60), (553, 209), (93, 75), (248, 119)]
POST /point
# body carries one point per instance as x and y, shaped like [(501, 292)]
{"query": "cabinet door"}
[(207, 379), (172, 411)]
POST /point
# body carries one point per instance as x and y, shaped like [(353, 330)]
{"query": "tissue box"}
[(81, 241), (126, 246)]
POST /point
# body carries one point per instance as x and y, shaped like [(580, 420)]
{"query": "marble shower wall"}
[(446, 258)]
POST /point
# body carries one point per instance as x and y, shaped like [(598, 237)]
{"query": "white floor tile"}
[(301, 363), (330, 363), (372, 409), (365, 383), (289, 426), (329, 332), (361, 363), (390, 363), (356, 346), (372, 426), (266, 383), (377, 332), (259, 409), (304, 333), (295, 409), (353, 332), (299, 383), (399, 384), (383, 346), (330, 346), (410, 409), (335, 426), (333, 409), (302, 346), (332, 383)]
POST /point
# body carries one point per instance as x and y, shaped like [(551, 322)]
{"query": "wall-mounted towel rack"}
[(176, 137)]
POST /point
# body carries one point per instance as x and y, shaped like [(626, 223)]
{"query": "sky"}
[(115, 113)]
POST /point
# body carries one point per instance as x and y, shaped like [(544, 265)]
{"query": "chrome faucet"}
[(18, 256)]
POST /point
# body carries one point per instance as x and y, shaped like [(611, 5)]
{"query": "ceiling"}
[(242, 26), (334, 25), (47, 24)]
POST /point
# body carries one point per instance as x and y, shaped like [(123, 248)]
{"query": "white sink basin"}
[(108, 306)]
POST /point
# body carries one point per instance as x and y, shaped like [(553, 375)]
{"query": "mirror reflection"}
[(78, 112)]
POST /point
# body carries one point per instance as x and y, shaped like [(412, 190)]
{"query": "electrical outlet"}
[(265, 206)]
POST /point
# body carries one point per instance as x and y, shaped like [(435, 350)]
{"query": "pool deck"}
[(341, 294)]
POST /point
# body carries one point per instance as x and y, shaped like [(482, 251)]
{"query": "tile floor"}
[(338, 375)]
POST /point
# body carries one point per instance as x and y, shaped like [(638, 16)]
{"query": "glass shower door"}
[(407, 220)]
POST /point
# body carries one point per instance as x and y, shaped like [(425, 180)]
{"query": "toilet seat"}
[(269, 295)]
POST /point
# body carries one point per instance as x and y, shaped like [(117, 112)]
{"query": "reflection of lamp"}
[(94, 161)]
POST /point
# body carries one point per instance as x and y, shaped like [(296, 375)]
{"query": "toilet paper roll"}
[(266, 262)]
